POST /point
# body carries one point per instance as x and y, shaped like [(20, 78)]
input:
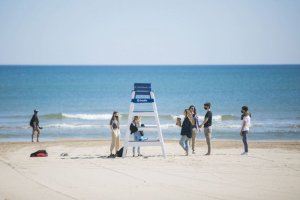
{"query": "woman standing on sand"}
[(115, 133), (186, 130), (246, 117), (195, 127)]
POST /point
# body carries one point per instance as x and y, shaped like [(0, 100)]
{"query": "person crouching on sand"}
[(34, 123), (136, 133), (115, 133), (246, 117), (186, 130)]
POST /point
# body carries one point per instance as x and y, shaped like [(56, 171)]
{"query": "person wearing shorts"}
[(207, 123)]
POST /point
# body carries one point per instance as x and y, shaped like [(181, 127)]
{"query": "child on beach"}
[(245, 127), (186, 130), (115, 133), (136, 133)]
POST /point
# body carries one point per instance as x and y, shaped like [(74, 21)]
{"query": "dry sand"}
[(270, 171)]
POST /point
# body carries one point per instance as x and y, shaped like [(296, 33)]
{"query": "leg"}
[(38, 134), (245, 141), (181, 142), (187, 146), (139, 151), (118, 141), (194, 132), (113, 142), (133, 151), (207, 133), (32, 135)]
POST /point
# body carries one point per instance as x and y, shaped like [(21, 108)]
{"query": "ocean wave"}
[(215, 117), (66, 125), (77, 116)]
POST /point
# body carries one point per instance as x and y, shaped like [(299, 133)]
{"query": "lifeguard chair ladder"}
[(142, 94)]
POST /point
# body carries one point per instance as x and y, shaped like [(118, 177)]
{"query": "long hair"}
[(114, 117), (189, 116), (195, 110)]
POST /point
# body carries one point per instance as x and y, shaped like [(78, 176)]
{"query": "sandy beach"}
[(270, 171)]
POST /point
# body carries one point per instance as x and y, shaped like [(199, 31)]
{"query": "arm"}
[(243, 126), (205, 120)]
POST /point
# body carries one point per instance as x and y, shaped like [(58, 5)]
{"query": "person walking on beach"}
[(136, 133), (115, 133), (246, 117), (195, 127), (186, 130), (34, 123), (207, 123)]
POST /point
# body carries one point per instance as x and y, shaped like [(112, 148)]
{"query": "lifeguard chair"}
[(142, 94)]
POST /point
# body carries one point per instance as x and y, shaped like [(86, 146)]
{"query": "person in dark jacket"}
[(186, 131), (34, 123)]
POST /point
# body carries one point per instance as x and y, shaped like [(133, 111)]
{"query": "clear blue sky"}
[(149, 32)]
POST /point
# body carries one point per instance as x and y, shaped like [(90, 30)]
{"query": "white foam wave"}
[(215, 118), (88, 116), (65, 125)]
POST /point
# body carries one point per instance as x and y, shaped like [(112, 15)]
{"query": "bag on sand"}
[(39, 153), (120, 152)]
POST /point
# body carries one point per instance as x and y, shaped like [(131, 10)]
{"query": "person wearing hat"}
[(207, 123), (246, 117), (34, 123)]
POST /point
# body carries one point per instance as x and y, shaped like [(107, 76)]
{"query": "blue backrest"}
[(142, 88), (142, 93)]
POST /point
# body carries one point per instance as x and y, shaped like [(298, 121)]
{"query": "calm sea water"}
[(77, 102)]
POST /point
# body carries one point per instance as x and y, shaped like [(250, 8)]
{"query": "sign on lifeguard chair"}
[(142, 94)]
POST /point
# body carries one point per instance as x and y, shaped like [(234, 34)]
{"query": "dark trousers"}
[(244, 135)]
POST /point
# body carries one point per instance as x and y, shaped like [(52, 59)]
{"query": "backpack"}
[(120, 152), (39, 153), (31, 122)]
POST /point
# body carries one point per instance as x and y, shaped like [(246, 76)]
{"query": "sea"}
[(76, 102)]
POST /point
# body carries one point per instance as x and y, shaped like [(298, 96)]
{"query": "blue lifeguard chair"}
[(142, 94)]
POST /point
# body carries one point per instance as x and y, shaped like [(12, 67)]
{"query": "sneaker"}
[(207, 154), (244, 153), (193, 152), (140, 155), (186, 153)]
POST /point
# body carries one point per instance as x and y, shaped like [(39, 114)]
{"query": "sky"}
[(149, 32)]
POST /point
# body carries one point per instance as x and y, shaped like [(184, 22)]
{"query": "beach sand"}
[(270, 171)]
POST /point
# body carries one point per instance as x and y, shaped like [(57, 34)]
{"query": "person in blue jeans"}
[(246, 117), (186, 130), (136, 133)]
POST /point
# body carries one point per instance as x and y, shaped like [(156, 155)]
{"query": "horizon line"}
[(142, 65)]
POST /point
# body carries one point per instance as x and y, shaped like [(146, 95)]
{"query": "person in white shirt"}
[(246, 117)]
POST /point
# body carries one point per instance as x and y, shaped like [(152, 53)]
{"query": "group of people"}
[(191, 126), (189, 129), (115, 134)]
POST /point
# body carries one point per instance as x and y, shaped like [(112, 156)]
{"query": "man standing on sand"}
[(207, 123), (34, 123)]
